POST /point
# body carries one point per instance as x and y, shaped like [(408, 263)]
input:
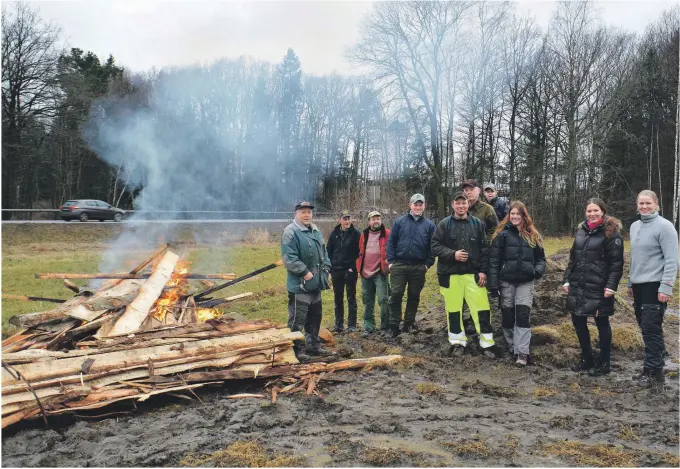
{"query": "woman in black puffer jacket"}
[(517, 259), (591, 280)]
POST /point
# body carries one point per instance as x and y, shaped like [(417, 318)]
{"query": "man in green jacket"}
[(304, 254), (479, 208)]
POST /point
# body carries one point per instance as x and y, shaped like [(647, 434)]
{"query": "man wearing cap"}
[(499, 204), (478, 208), (409, 256), (304, 255), (461, 244), (343, 249), (372, 266)]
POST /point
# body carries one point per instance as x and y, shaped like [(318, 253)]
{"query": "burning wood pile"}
[(142, 334)]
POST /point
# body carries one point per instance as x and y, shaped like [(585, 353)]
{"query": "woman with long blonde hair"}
[(517, 260)]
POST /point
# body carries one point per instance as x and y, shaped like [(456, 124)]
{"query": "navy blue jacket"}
[(409, 241)]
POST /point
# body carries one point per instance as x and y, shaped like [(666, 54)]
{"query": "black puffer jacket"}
[(343, 248), (513, 260), (595, 263)]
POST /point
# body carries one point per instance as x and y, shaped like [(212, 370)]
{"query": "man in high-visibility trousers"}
[(461, 244)]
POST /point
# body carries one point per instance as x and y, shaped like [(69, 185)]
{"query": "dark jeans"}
[(649, 313), (401, 276), (603, 328), (344, 279), (304, 312)]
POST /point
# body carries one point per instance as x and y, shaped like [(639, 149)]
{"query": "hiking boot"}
[(406, 328), (522, 359), (337, 329), (351, 329), (319, 352), (457, 350), (601, 368), (583, 365), (653, 379)]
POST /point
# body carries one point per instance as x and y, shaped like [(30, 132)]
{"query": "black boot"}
[(653, 379), (601, 368), (299, 349), (319, 351), (584, 365), (642, 374), (393, 332)]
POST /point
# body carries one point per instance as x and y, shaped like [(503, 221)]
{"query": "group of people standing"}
[(481, 258)]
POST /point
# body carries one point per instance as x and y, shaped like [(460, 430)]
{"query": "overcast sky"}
[(145, 33)]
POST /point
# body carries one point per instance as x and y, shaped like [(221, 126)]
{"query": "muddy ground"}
[(430, 410)]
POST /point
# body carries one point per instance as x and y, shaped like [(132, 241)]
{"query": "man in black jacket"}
[(343, 249), (460, 243)]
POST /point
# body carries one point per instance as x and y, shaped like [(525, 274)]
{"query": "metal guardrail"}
[(177, 214)]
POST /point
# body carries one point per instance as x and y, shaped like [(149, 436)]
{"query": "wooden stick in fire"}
[(188, 276), (7, 296), (204, 293)]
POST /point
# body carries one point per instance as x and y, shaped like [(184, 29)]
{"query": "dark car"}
[(86, 209)]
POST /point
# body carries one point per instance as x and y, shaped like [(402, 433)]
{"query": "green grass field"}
[(51, 248)]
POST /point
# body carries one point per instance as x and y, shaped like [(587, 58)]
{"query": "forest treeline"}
[(439, 92)]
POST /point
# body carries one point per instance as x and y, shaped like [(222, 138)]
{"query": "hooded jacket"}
[(513, 260), (343, 247), (595, 263)]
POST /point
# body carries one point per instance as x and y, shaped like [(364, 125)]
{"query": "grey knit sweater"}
[(653, 252)]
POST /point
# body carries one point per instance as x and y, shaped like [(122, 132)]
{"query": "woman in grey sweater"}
[(653, 267)]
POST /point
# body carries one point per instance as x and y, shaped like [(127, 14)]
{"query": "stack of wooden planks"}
[(133, 338)]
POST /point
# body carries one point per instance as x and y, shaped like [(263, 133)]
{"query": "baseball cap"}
[(344, 213), (488, 185), (304, 204), (374, 213), (459, 195), (469, 182), (417, 198)]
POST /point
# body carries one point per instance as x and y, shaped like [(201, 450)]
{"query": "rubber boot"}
[(299, 350), (642, 374), (584, 365)]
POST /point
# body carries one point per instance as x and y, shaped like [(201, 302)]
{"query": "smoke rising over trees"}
[(442, 91)]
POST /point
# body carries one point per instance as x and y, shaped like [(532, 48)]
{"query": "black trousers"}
[(401, 277), (604, 330), (304, 313), (649, 313), (344, 280)]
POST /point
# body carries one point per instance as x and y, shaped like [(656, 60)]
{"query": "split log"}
[(218, 301), (138, 310), (118, 296), (33, 319), (44, 370), (72, 286), (7, 296), (85, 314), (126, 276)]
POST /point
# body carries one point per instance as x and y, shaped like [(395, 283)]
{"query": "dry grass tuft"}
[(575, 387), (671, 460), (627, 337), (599, 455), (603, 393), (490, 389), (627, 433), (408, 363), (429, 389), (566, 422), (245, 454), (380, 457), (510, 447), (469, 448), (540, 392), (561, 334)]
